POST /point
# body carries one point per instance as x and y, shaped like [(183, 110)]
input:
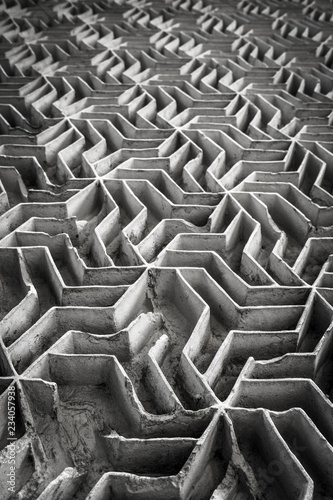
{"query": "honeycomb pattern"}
[(166, 249)]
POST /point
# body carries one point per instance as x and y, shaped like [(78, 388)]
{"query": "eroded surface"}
[(166, 236)]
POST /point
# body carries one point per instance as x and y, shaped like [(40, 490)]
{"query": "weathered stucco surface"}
[(166, 249)]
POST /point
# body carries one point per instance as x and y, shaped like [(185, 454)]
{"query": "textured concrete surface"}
[(166, 249)]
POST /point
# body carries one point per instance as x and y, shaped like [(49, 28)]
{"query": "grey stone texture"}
[(166, 249)]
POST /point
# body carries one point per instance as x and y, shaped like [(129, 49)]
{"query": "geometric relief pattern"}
[(166, 249)]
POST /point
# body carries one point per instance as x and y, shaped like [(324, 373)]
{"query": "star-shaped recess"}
[(51, 367)]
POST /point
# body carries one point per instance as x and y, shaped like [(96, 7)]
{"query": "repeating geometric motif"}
[(166, 249)]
